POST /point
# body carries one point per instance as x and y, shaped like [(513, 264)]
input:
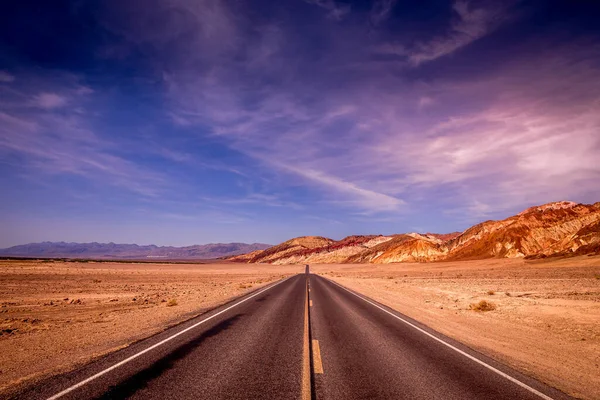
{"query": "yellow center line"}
[(317, 363), (306, 391)]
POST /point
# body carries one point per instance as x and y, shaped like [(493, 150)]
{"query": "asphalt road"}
[(271, 344)]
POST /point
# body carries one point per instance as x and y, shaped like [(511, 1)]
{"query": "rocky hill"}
[(411, 247), (129, 251), (555, 228), (560, 228), (299, 245)]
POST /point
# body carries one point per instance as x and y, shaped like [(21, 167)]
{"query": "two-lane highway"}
[(284, 342)]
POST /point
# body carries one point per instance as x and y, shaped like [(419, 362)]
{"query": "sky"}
[(179, 122)]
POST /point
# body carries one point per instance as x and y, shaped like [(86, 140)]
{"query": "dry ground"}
[(57, 315), (547, 317)]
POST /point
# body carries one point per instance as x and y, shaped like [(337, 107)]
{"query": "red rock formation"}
[(561, 228)]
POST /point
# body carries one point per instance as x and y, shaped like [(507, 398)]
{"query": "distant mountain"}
[(129, 251), (556, 229)]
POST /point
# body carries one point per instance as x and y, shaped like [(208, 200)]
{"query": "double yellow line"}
[(306, 389), (309, 346)]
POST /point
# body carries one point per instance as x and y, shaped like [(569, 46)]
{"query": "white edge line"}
[(125, 361), (504, 375)]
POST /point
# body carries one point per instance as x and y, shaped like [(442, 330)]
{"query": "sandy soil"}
[(547, 317), (57, 315)]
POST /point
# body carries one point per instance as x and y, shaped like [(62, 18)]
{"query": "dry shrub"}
[(483, 306), (172, 302), (491, 292)]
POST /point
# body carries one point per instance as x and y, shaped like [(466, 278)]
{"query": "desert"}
[(543, 320), (524, 291)]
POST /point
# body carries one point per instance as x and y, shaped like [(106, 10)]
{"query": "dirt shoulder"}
[(57, 315), (546, 317)]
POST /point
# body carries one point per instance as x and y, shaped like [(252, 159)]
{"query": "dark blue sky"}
[(192, 121)]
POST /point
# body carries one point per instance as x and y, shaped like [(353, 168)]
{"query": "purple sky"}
[(180, 122)]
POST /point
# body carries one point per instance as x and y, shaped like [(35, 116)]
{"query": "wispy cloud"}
[(526, 147), (253, 198), (334, 9), (49, 100), (371, 139), (59, 140), (369, 156), (471, 21), (362, 198), (6, 77), (381, 10)]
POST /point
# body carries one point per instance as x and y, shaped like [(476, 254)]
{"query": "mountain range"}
[(555, 229), (129, 251)]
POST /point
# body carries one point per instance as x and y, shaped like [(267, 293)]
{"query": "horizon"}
[(135, 244), (202, 122)]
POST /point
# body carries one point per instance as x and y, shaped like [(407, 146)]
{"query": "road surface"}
[(302, 338)]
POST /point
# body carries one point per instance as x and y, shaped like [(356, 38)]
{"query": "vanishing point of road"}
[(305, 337)]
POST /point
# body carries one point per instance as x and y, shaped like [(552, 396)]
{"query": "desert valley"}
[(524, 290)]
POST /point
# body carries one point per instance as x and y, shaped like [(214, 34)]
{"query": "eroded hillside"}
[(560, 228)]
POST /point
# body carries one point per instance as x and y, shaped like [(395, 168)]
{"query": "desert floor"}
[(546, 321), (57, 315)]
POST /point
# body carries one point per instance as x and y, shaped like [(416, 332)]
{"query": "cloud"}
[(59, 146), (83, 90), (285, 135), (17, 124), (473, 22), (381, 10), (49, 100), (525, 147), (179, 119), (425, 101), (375, 139), (334, 9), (173, 28), (6, 77), (253, 198), (360, 197), (61, 141)]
